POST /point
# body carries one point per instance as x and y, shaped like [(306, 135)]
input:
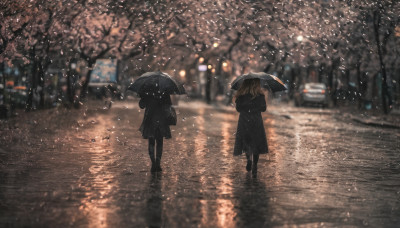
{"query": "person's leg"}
[(159, 149), (151, 154), (248, 166), (255, 161)]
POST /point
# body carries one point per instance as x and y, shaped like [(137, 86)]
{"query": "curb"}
[(383, 124)]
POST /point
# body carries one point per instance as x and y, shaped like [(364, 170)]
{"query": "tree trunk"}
[(359, 85), (41, 84), (330, 78), (321, 72), (333, 85), (292, 83), (208, 86), (70, 96), (385, 94), (29, 100), (85, 85), (4, 81)]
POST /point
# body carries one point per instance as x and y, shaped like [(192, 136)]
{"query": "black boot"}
[(248, 166), (158, 165), (254, 168), (153, 167), (151, 155), (159, 149)]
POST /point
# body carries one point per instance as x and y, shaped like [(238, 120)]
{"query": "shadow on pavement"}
[(252, 206), (154, 204)]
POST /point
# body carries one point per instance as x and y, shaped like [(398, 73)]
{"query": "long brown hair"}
[(250, 86)]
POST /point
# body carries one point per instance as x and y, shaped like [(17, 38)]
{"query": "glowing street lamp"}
[(215, 44), (182, 73), (225, 66), (201, 60), (300, 38)]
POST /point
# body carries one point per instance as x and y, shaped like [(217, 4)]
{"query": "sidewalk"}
[(373, 117), (368, 117)]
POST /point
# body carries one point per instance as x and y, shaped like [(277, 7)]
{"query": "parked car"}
[(311, 93)]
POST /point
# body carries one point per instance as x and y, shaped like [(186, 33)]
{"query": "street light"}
[(201, 60), (300, 38), (215, 44), (182, 73), (225, 66)]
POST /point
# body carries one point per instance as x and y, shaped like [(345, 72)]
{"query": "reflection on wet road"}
[(98, 205), (322, 171), (226, 211)]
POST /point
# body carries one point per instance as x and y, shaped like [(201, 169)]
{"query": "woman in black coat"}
[(250, 134), (154, 126)]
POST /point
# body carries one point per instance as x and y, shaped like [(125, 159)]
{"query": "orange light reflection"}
[(199, 151), (225, 207), (98, 205), (273, 147)]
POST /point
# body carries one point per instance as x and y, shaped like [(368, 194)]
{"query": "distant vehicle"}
[(311, 93)]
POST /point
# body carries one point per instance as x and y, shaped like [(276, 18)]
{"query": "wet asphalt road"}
[(322, 171)]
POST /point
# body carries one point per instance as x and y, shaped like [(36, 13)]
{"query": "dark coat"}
[(250, 134), (155, 116)]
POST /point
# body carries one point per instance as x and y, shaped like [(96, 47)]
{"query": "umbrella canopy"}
[(158, 82), (268, 81)]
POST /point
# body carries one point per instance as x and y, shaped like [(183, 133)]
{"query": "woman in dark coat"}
[(250, 134), (154, 126)]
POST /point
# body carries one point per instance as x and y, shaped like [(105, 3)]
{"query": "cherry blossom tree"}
[(330, 37)]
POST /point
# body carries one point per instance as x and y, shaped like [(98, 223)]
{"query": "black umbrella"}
[(268, 81), (156, 82)]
